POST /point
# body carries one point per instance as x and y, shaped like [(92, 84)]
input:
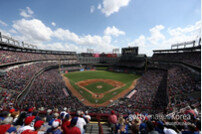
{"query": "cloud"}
[(53, 24), (99, 6), (62, 46), (5, 32), (29, 11), (23, 13), (157, 40), (111, 6), (92, 9), (194, 29), (113, 31), (3, 23), (101, 43), (141, 43), (36, 32), (12, 31), (26, 13), (156, 34), (65, 35), (33, 30)]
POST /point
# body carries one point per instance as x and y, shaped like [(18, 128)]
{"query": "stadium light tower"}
[(90, 50), (115, 51)]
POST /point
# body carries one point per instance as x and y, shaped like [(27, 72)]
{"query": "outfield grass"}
[(93, 87), (74, 77)]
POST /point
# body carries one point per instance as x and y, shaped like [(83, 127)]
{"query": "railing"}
[(100, 128), (12, 41), (26, 89), (98, 118), (29, 61), (28, 86), (184, 44)]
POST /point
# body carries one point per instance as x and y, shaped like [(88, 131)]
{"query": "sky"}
[(102, 25)]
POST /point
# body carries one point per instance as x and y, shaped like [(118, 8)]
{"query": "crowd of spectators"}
[(137, 114), (18, 77), (181, 85), (7, 98), (192, 58), (13, 56), (140, 123), (157, 91), (143, 100), (48, 90), (53, 121), (163, 91)]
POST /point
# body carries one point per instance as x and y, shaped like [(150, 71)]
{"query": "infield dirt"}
[(116, 84)]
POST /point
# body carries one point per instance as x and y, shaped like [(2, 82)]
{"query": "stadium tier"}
[(44, 82), (12, 56), (185, 57)]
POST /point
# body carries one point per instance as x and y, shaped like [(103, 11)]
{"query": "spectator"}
[(66, 121), (112, 121), (122, 127), (11, 130), (55, 129), (81, 123), (150, 128), (49, 116), (27, 124), (72, 129), (37, 127)]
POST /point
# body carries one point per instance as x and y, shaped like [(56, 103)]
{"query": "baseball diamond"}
[(99, 87)]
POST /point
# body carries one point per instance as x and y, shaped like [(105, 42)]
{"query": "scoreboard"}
[(130, 51)]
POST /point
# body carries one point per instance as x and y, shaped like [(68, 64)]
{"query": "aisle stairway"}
[(106, 129), (93, 128)]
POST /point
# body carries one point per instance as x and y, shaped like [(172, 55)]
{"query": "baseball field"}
[(99, 88)]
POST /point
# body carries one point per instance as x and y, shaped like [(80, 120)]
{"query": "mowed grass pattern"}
[(94, 87), (80, 76)]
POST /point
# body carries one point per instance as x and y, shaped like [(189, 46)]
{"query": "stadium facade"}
[(159, 68)]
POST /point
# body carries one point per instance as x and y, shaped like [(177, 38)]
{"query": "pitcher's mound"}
[(99, 87)]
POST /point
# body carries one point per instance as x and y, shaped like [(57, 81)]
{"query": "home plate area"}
[(99, 87)]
